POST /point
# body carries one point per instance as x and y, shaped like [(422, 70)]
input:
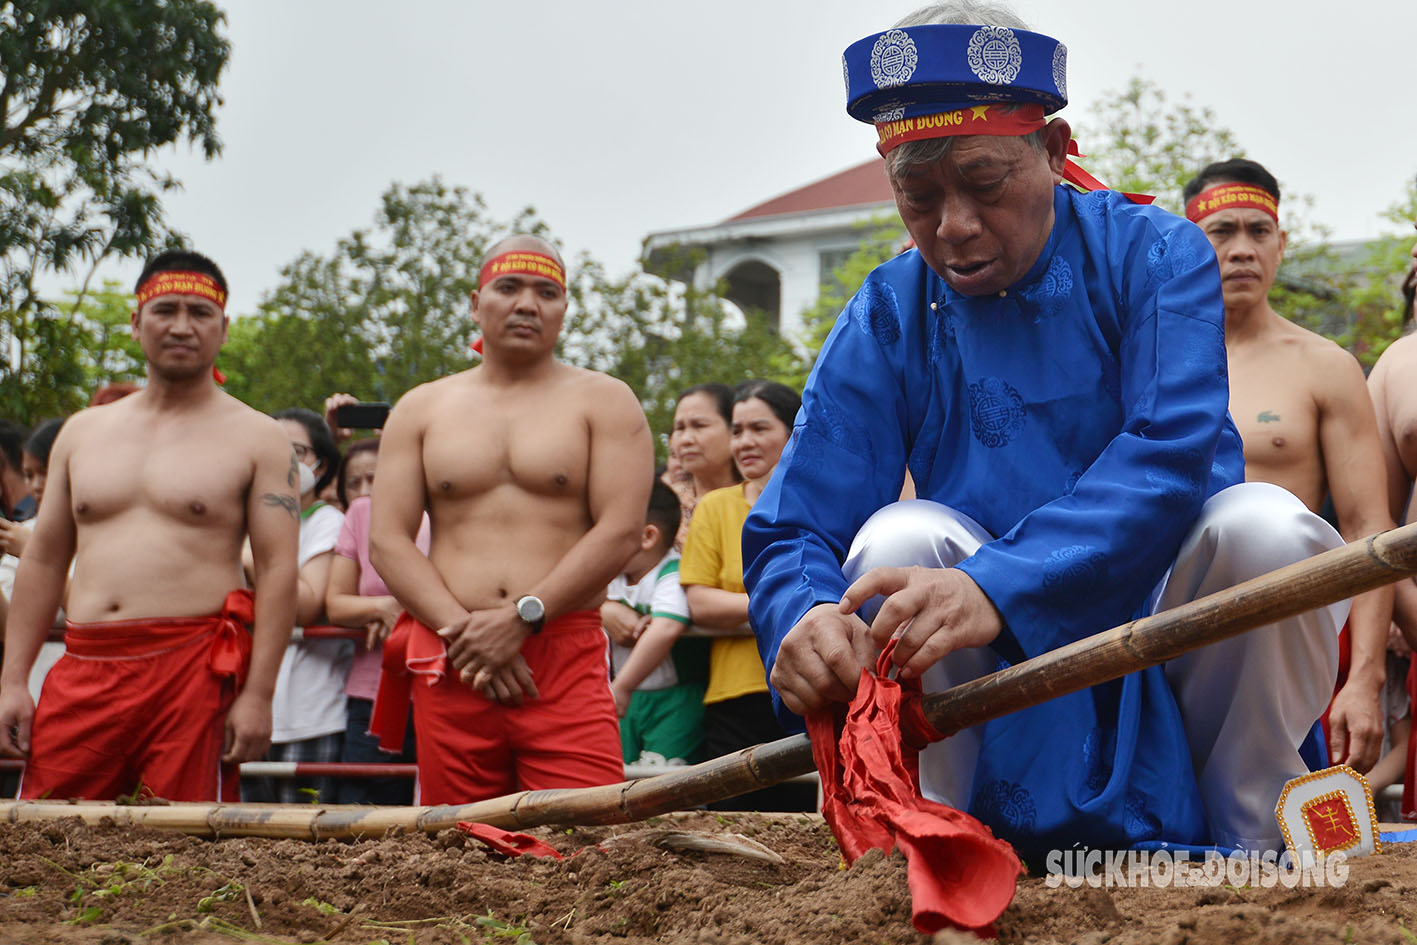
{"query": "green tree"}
[(386, 311), (91, 88), (660, 337), (1139, 141), (881, 240)]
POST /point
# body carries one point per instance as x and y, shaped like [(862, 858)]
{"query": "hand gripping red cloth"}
[(959, 873)]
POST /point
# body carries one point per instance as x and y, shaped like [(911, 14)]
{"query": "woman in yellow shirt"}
[(737, 710)]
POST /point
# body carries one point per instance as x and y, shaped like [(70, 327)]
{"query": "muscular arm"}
[(39, 588), (1399, 481), (273, 524), (400, 497), (1354, 467)]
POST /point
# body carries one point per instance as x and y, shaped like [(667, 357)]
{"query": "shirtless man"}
[(523, 464), (161, 687), (1393, 385), (1304, 414)]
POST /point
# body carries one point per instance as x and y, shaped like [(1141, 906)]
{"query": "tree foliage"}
[(91, 88), (661, 337), (386, 311), (881, 239)]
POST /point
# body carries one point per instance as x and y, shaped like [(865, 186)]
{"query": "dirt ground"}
[(64, 882)]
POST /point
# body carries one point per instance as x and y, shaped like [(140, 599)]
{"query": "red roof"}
[(862, 184)]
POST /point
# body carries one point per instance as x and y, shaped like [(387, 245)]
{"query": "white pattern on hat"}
[(893, 59), (994, 55)]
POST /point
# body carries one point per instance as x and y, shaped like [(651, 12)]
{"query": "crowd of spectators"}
[(681, 659)]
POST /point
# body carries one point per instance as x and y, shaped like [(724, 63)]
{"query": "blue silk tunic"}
[(1081, 418)]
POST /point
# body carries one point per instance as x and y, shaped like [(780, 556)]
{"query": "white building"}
[(774, 257)]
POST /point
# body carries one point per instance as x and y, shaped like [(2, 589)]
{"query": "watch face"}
[(531, 609)]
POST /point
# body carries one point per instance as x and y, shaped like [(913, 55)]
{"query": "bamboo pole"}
[(1315, 582)]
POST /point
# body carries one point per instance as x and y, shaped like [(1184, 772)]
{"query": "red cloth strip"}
[(959, 873), (508, 843), (1409, 781)]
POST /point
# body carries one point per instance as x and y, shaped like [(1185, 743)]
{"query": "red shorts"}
[(141, 703), (471, 748)]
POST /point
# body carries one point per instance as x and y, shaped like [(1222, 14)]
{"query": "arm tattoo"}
[(292, 477), (276, 500)]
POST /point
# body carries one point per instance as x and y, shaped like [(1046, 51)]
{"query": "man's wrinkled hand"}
[(16, 718), (821, 658), (248, 729), (933, 611)]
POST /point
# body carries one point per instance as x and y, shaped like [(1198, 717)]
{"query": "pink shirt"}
[(353, 543)]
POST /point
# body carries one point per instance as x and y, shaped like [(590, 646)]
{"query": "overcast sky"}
[(619, 118)]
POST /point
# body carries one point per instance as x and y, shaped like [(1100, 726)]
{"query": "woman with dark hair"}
[(308, 710), (699, 444), (357, 597), (737, 709), (356, 471)]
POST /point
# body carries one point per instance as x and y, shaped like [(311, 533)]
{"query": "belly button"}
[(501, 592)]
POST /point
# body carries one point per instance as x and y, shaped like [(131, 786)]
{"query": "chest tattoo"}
[(1268, 416)]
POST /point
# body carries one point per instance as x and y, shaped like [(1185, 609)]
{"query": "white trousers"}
[(1247, 703)]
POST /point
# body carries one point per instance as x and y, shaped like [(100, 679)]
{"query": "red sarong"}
[(142, 704), (959, 873), (471, 748)]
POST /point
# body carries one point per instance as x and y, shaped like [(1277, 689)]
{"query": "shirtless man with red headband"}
[(524, 466), (1303, 411), (161, 688)]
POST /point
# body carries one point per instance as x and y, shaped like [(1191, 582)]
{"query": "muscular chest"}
[(1276, 417), (541, 449), (185, 478)]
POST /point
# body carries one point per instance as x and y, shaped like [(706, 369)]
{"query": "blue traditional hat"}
[(918, 70), (936, 80)]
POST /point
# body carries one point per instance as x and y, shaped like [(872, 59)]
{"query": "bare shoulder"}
[(1327, 366), (418, 404), (1401, 355), (604, 396)]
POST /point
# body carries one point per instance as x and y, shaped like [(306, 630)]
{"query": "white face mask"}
[(307, 479)]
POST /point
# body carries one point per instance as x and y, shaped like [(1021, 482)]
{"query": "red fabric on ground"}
[(959, 873), (142, 702), (471, 748), (508, 843)]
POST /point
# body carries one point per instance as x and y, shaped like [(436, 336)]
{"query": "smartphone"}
[(362, 416)]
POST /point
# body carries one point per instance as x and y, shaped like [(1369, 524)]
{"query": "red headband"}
[(970, 120), (522, 263), (1231, 197), (178, 282)]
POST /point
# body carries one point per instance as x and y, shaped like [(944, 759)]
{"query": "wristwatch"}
[(533, 611)]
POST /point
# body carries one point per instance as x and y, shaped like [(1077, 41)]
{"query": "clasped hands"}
[(484, 648), (933, 611)]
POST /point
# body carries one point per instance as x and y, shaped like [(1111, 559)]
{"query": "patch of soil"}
[(64, 882)]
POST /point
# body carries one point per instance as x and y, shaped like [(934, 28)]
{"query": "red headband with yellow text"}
[(1231, 197), (520, 262), (181, 282), (970, 120)]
